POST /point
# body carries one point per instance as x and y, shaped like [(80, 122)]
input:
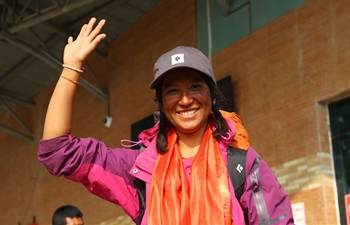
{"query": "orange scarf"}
[(207, 200)]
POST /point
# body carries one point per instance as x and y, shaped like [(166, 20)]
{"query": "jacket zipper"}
[(256, 191)]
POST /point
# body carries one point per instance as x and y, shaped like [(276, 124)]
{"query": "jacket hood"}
[(241, 138)]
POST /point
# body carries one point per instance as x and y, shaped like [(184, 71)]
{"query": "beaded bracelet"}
[(73, 81), (72, 68)]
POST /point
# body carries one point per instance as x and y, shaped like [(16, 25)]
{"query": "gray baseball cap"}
[(182, 56)]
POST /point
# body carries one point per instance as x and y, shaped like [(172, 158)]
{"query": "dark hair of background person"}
[(60, 215)]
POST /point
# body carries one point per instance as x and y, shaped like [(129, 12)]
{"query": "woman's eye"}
[(195, 86), (171, 91)]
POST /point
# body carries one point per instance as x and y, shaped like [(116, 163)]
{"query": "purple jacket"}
[(110, 173)]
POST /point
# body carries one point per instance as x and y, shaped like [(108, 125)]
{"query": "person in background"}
[(67, 215), (184, 159)]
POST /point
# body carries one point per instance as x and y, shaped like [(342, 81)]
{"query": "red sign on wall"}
[(347, 208)]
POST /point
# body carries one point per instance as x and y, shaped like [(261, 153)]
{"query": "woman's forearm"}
[(58, 119)]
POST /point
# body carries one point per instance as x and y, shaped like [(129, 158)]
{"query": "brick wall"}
[(284, 74)]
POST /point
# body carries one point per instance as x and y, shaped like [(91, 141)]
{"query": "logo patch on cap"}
[(178, 58)]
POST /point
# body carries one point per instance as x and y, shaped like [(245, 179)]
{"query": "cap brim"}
[(156, 82)]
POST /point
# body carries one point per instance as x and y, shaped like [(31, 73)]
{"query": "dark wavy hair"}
[(216, 96)]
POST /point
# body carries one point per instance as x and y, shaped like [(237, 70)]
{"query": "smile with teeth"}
[(188, 113)]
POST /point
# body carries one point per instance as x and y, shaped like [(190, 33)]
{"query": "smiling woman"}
[(186, 104), (184, 162)]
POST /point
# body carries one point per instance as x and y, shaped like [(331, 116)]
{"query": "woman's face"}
[(186, 100)]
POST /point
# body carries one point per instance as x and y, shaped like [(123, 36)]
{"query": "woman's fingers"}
[(89, 31), (97, 29), (87, 28), (70, 39), (89, 37), (82, 31), (95, 36), (98, 39)]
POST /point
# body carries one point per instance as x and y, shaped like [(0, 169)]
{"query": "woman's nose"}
[(185, 99)]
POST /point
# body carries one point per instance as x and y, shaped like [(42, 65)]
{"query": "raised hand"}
[(77, 51), (59, 113)]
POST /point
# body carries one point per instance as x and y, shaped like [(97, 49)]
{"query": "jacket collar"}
[(147, 159)]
